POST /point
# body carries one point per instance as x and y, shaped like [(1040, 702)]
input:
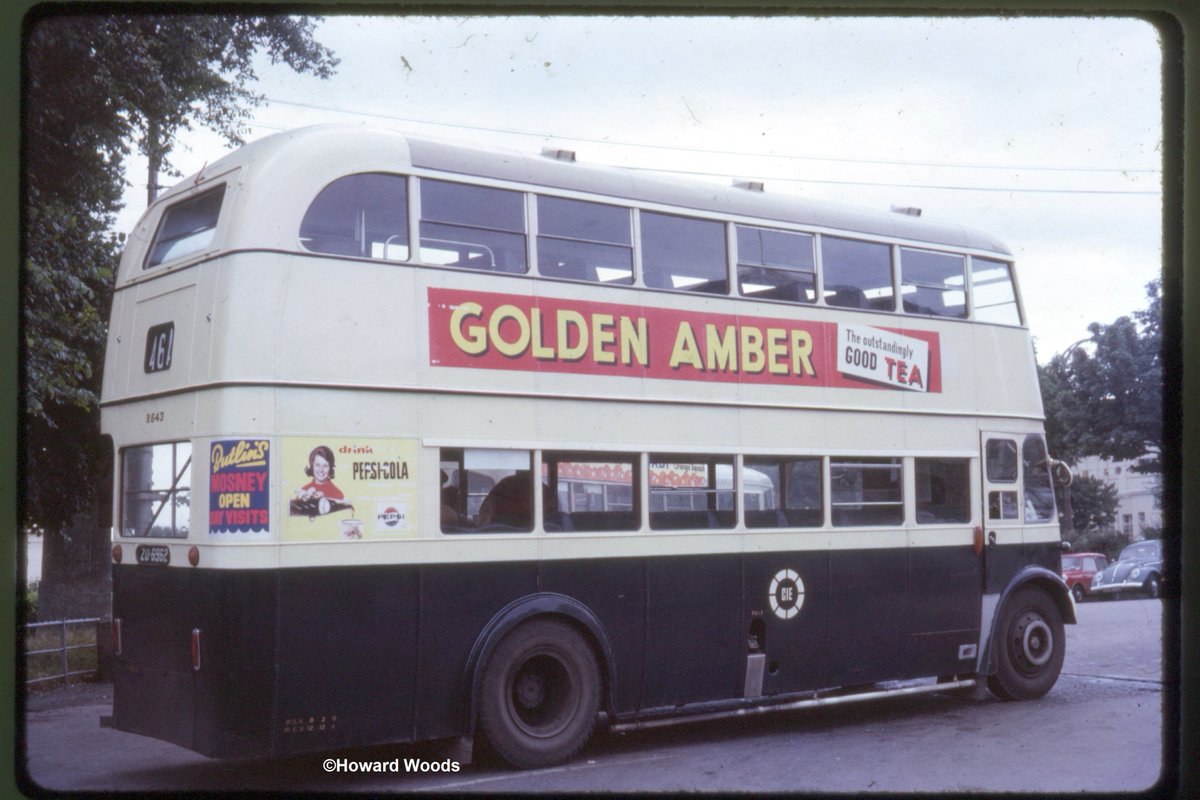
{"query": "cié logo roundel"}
[(786, 594)]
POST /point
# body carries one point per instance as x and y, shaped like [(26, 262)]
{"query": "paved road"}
[(1099, 730)]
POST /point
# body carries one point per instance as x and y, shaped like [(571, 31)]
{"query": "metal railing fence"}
[(65, 672)]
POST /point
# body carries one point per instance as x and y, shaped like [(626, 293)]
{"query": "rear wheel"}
[(540, 694), (1030, 646)]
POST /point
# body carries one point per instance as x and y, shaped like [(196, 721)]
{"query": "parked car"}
[(1138, 569), (1078, 570)]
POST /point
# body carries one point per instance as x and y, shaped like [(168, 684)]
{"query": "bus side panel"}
[(869, 617), (944, 585), (235, 683), (153, 681), (615, 591), (347, 656), (794, 640), (458, 601), (1044, 554), (1003, 562), (695, 636), (222, 709)]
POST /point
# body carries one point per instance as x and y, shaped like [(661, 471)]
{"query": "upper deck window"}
[(359, 215), (933, 283), (995, 296), (584, 241), (684, 253), (472, 226), (186, 228), (776, 265), (857, 274)]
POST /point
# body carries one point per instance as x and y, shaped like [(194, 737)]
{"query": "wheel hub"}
[(1037, 641), (531, 691)]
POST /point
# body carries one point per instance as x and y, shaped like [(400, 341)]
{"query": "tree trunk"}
[(76, 573)]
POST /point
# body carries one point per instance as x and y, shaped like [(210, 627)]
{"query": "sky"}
[(1045, 132)]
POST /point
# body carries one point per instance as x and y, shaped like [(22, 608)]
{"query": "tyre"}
[(1030, 644), (1078, 593), (1152, 587), (539, 694)]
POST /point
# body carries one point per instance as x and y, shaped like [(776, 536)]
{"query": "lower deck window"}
[(943, 490), (487, 491), (156, 490), (691, 492), (590, 492), (866, 491), (782, 492)]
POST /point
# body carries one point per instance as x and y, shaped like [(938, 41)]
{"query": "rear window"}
[(186, 228)]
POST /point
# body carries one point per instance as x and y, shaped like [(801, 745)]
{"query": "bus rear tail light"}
[(116, 635), (196, 649), (194, 555), (978, 539), (116, 553)]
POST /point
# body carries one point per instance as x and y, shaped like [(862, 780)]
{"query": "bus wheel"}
[(1031, 646), (540, 694)]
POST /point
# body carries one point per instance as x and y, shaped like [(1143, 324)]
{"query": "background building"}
[(1137, 493)]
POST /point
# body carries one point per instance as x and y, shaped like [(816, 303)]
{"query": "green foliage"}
[(1108, 541), (1108, 402), (31, 602), (96, 86), (1094, 503)]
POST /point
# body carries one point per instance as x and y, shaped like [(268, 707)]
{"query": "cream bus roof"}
[(282, 173)]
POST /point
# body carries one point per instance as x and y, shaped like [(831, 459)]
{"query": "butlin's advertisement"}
[(348, 489)]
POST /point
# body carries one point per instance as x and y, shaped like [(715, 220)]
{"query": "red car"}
[(1078, 569)]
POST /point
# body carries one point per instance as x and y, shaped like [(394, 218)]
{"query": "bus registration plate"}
[(154, 554)]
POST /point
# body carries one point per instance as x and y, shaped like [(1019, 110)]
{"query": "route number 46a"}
[(160, 342)]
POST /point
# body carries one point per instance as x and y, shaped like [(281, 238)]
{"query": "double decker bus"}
[(419, 441)]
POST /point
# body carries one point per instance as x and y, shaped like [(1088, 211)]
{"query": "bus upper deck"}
[(528, 275)]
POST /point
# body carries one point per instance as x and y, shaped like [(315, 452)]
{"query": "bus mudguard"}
[(1048, 581), (541, 604)]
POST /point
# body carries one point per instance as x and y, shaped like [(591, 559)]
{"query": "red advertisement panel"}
[(487, 330)]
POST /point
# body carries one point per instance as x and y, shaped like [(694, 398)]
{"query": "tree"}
[(1108, 402), (95, 87), (1094, 503)]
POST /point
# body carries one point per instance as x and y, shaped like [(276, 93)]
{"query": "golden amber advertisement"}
[(339, 489)]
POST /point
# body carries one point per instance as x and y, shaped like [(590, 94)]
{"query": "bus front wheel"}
[(1030, 646), (539, 694)]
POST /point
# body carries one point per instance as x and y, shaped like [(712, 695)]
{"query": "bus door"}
[(1002, 527)]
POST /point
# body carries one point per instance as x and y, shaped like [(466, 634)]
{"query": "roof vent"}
[(750, 186), (908, 210), (557, 154)]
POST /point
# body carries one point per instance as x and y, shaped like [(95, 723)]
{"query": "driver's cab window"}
[(1039, 488), (1000, 468)]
